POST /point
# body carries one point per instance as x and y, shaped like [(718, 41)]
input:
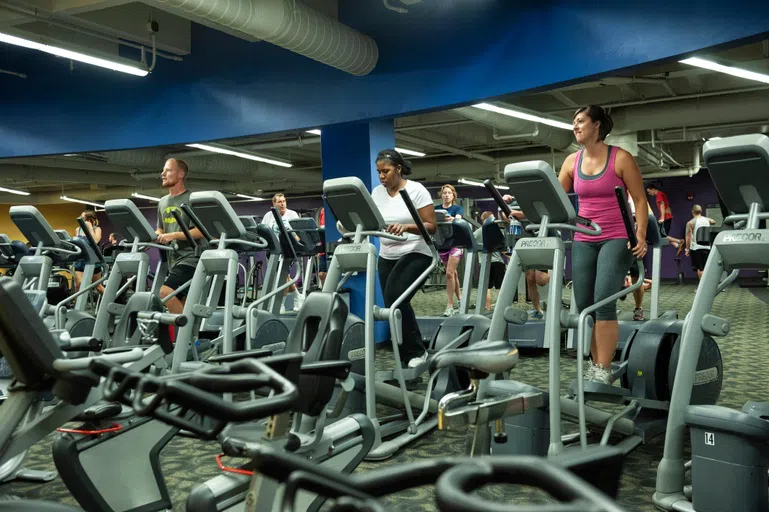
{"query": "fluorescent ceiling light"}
[(74, 200), (476, 183), (239, 154), (729, 70), (525, 116), (14, 191), (142, 196), (314, 132), (410, 152), (72, 55), (252, 198)]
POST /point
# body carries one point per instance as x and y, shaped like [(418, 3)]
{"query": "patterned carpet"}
[(745, 351)]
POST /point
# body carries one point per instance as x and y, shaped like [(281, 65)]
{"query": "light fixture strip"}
[(524, 115), (728, 70), (252, 198), (72, 55), (142, 196), (83, 201), (475, 183), (14, 191), (247, 156)]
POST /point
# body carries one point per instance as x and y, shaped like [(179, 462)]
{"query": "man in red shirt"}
[(665, 218)]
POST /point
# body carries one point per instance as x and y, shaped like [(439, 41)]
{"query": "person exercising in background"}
[(322, 257), (92, 222), (497, 270), (183, 261), (534, 278), (279, 202), (663, 207), (698, 253), (451, 257), (600, 263), (402, 262)]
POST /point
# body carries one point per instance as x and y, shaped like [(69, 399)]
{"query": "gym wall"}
[(60, 216)]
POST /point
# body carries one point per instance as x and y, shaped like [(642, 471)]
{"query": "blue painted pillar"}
[(350, 149)]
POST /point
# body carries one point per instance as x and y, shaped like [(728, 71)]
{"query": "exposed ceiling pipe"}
[(691, 112), (445, 147), (691, 171), (425, 126), (65, 163), (555, 138), (681, 97), (438, 169), (293, 26)]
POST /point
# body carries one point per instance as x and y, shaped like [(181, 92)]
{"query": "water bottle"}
[(516, 228)]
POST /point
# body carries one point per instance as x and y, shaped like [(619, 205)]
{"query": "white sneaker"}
[(298, 301), (449, 311), (416, 361), (589, 371), (601, 375), (283, 309)]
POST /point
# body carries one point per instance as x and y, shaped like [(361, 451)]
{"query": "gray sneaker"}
[(416, 361), (589, 371), (601, 375)]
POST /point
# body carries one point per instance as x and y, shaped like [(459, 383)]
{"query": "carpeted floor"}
[(745, 352)]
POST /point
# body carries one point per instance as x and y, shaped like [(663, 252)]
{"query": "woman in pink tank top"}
[(600, 263)]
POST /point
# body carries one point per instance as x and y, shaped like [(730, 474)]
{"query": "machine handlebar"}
[(622, 200), (191, 401), (498, 198), (417, 219), (91, 241)]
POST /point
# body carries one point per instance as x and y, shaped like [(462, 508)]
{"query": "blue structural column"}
[(350, 149)]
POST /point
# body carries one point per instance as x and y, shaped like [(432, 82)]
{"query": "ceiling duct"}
[(539, 133), (692, 112), (290, 25)]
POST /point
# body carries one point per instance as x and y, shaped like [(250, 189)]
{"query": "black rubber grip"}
[(163, 318), (196, 221), (415, 215), (283, 234), (494, 191), (622, 200), (180, 220)]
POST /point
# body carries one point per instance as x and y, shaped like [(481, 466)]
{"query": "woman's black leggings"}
[(394, 277), (598, 270)]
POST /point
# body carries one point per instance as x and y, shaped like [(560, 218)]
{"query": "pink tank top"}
[(597, 200)]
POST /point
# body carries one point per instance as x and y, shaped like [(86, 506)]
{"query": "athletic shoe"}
[(449, 311), (589, 371), (638, 314), (416, 361), (283, 309), (537, 315), (601, 375), (298, 301)]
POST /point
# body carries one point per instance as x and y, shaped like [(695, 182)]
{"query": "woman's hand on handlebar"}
[(397, 229), (639, 251)]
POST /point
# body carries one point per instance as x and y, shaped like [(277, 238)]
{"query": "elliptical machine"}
[(356, 213), (33, 272), (647, 371), (730, 449)]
